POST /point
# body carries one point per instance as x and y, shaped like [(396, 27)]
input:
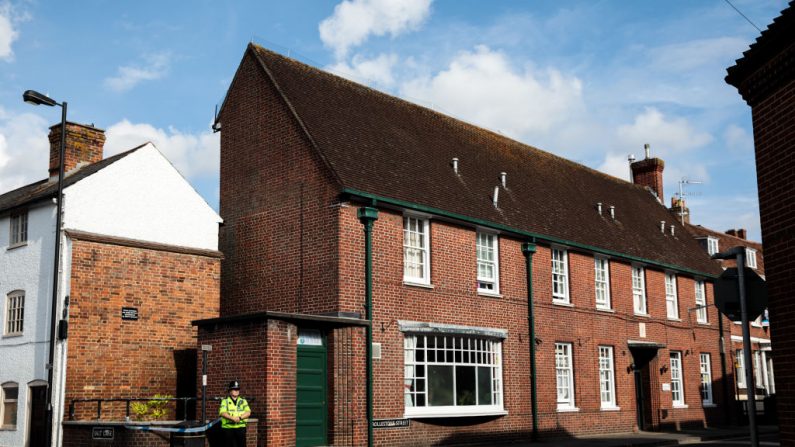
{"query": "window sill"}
[(11, 247), (680, 406), (675, 319), (568, 409), (562, 303), (709, 405), (4, 428), (642, 315), (606, 309), (453, 414), (12, 336), (610, 409), (489, 294), (703, 323), (417, 284)]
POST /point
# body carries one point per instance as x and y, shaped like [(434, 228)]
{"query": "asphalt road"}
[(766, 440)]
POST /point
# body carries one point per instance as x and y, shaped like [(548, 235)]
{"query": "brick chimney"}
[(649, 172), (740, 233), (83, 146)]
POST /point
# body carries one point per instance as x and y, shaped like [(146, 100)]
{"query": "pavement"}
[(728, 436)]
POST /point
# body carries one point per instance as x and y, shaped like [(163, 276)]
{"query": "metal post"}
[(748, 363), (205, 350), (368, 216), (56, 274), (529, 248)]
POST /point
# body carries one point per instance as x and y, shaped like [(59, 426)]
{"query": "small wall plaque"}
[(666, 387), (129, 313), (105, 433), (390, 423)]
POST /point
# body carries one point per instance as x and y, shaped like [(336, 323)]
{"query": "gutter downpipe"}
[(722, 351), (528, 249), (367, 216)]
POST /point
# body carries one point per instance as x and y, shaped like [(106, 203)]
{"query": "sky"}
[(591, 81)]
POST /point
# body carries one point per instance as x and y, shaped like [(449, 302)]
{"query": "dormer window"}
[(750, 257), (712, 245)]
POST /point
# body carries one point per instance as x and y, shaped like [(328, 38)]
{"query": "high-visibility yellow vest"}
[(234, 409)]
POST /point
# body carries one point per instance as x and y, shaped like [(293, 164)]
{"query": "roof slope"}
[(727, 241), (44, 188), (385, 146)]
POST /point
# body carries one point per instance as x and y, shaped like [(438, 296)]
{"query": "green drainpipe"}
[(528, 248), (367, 216)]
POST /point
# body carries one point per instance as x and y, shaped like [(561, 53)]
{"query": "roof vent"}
[(612, 212), (455, 165), (599, 208), (673, 232), (503, 178), (496, 195), (662, 226)]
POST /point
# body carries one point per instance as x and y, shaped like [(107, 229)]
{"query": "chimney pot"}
[(647, 149)]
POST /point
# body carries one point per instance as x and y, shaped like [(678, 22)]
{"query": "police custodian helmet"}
[(234, 385)]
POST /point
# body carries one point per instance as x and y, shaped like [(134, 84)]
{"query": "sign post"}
[(724, 287)]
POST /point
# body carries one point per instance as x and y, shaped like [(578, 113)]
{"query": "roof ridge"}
[(434, 113)]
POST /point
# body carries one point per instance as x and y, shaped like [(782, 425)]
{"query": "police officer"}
[(234, 411)]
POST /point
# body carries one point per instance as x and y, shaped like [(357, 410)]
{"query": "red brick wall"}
[(83, 145), (280, 227), (110, 358), (649, 172), (774, 137)]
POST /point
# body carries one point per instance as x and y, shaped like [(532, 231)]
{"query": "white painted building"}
[(135, 195)]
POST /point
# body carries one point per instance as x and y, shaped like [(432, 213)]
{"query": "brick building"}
[(466, 227), (765, 77), (139, 261)]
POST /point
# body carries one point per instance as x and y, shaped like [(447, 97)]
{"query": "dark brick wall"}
[(111, 358)]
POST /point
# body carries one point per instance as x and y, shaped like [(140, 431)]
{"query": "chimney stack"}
[(681, 210), (740, 233), (83, 146), (649, 172)]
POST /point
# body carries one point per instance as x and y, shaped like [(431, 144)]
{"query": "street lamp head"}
[(36, 98)]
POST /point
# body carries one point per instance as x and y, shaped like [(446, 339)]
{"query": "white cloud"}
[(353, 21), (155, 67), (664, 134), (194, 155), (24, 149), (483, 87), (377, 70), (615, 165), (738, 139), (8, 34)]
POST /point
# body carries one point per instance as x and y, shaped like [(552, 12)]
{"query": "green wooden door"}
[(311, 412)]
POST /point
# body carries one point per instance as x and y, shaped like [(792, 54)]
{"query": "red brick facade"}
[(113, 358), (293, 244)]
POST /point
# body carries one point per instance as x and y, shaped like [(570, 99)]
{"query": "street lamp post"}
[(35, 98)]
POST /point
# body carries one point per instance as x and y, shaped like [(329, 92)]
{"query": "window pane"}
[(465, 385), (440, 385), (10, 414), (484, 386)]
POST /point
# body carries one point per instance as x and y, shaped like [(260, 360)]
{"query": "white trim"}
[(671, 297), (607, 305), (566, 409), (641, 277), (495, 262), (565, 357), (739, 338), (610, 408), (435, 412), (423, 248)]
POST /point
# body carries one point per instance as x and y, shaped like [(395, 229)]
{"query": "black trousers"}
[(234, 437)]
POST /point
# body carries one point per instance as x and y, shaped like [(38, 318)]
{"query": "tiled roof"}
[(388, 147), (727, 241), (44, 189)]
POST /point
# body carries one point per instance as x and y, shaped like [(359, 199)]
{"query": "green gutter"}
[(367, 216), (520, 233), (528, 248)]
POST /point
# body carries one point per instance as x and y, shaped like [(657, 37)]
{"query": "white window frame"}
[(639, 290), (758, 377), (771, 378), (18, 229), (677, 381), (607, 378), (750, 257), (705, 360), (701, 302), (5, 401), (564, 376), (14, 313), (485, 284), (602, 282), (414, 225), (712, 245), (671, 297), (560, 275), (740, 368), (474, 351)]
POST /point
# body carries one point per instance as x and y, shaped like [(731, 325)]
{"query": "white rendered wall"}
[(142, 196), (23, 358)]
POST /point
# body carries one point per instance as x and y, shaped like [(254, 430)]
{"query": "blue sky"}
[(588, 80)]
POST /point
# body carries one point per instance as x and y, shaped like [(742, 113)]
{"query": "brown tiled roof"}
[(44, 189), (777, 37), (727, 241), (385, 146)]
